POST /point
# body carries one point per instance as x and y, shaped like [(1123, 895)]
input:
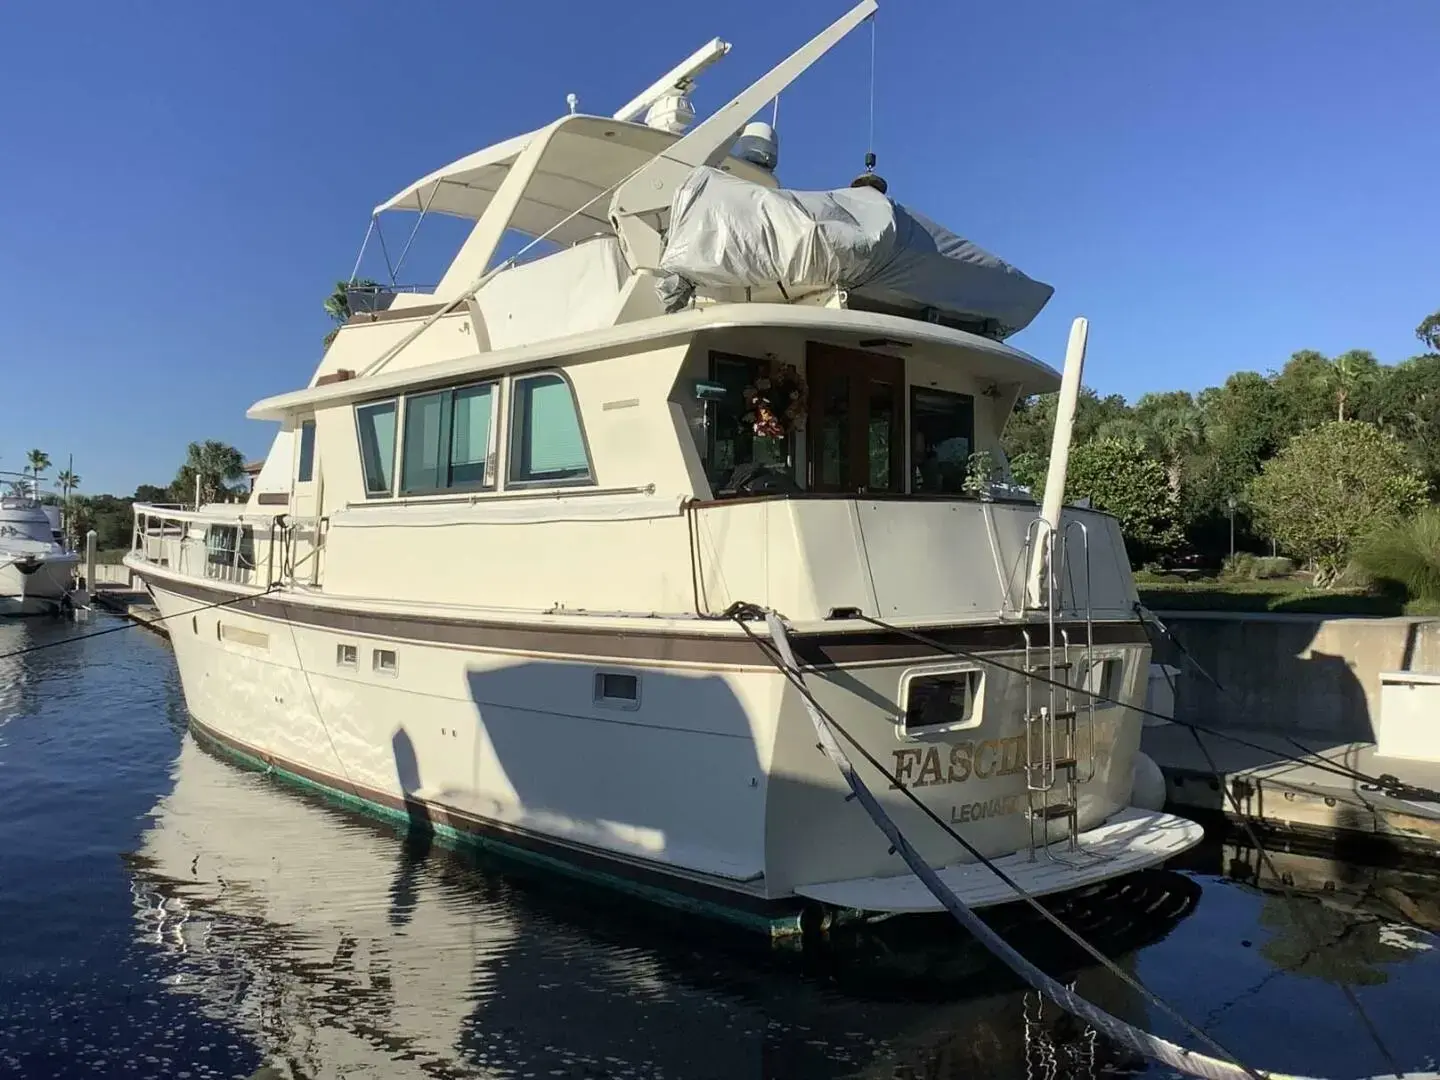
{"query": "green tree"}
[(1407, 403), (1331, 486), (1351, 375), (1122, 478), (1306, 390), (37, 461), (1429, 332), (215, 464), (67, 482), (337, 304), (1033, 422), (150, 493), (1173, 429)]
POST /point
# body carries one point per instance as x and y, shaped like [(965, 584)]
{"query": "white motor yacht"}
[(500, 575), (37, 573)]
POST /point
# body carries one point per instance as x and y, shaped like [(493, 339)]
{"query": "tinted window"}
[(305, 472), (447, 439), (421, 463), (546, 444), (377, 446), (942, 427), (470, 434)]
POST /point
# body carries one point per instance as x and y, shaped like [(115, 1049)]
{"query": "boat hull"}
[(705, 793), (36, 586)]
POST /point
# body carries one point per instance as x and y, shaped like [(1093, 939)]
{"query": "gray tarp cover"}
[(729, 233)]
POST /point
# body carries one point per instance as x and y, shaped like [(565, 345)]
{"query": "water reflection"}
[(345, 951)]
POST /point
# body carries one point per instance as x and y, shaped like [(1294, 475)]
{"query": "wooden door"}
[(856, 442)]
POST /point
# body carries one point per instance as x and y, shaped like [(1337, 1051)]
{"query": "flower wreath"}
[(776, 402)]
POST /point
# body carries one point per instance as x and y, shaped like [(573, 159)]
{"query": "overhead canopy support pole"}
[(641, 203), (1050, 507)]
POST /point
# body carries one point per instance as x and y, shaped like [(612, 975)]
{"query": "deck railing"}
[(240, 549)]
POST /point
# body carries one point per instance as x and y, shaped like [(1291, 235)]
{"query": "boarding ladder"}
[(1059, 721)]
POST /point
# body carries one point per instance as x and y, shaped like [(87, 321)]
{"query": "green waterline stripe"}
[(781, 926)]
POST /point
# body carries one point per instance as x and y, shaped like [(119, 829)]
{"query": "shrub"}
[(1407, 553), (1245, 566)]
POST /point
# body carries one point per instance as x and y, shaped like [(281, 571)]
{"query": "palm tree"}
[(1349, 372), (38, 461), (67, 482), (1174, 429), (215, 464), (337, 304)]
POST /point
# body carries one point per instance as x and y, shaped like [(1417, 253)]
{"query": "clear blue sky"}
[(1214, 185)]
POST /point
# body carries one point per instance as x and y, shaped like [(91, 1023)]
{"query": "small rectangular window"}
[(376, 424), (942, 701), (346, 656), (617, 689), (1101, 678), (382, 661), (305, 470), (547, 445)]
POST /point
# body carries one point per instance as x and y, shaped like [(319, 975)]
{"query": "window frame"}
[(513, 433), (491, 470), (395, 400), (910, 427)]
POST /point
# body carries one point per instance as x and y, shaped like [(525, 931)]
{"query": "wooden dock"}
[(1312, 801), (132, 603)]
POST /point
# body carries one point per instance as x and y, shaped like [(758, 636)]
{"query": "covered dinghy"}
[(730, 234)]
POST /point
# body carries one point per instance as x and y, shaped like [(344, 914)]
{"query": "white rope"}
[(1152, 1046)]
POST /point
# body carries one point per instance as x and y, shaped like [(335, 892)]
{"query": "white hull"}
[(38, 592), (711, 787)]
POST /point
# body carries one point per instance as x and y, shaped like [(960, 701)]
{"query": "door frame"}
[(860, 368)]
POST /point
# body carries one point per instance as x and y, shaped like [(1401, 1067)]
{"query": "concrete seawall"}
[(1302, 694), (1307, 675)]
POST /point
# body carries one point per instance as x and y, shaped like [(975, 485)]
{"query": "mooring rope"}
[(1178, 1057)]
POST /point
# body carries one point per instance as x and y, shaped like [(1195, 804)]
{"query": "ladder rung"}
[(1056, 810)]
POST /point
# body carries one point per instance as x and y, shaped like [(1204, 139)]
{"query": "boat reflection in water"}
[(342, 949)]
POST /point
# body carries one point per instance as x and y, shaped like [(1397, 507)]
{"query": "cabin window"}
[(305, 470), (221, 542), (447, 440), (942, 438), (347, 656), (547, 445), (376, 424), (730, 444), (942, 701)]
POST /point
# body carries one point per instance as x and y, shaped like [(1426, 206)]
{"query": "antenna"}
[(572, 102), (677, 78)]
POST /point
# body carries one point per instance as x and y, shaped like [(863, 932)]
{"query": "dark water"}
[(164, 914)]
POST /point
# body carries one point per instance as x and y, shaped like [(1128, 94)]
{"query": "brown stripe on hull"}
[(592, 861), (819, 650)]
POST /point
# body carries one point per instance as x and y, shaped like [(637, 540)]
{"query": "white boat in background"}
[(37, 573), (493, 576)]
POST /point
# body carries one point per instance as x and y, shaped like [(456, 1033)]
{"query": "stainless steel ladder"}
[(1054, 765)]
